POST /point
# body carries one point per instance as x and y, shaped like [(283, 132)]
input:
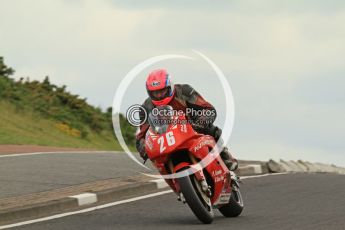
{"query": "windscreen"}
[(160, 118)]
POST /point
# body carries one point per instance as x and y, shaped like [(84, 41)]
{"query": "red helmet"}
[(159, 87)]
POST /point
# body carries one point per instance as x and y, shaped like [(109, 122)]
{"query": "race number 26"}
[(169, 136)]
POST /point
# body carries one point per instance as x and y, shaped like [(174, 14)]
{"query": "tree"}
[(4, 70)]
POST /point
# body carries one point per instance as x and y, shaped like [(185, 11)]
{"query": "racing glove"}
[(140, 145), (201, 124)]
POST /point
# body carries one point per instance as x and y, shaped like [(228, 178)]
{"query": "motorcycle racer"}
[(201, 114)]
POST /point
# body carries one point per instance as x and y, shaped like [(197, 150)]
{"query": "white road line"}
[(84, 210), (61, 152), (263, 175), (108, 205)]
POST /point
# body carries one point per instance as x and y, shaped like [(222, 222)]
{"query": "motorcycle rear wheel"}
[(235, 206), (201, 209)]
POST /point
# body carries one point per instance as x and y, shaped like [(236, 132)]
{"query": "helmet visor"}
[(160, 94)]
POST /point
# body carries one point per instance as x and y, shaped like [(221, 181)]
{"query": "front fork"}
[(235, 180), (199, 175)]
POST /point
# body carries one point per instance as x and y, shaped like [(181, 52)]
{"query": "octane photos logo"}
[(131, 75), (133, 115)]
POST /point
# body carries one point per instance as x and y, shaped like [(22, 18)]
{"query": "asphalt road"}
[(293, 201), (25, 174)]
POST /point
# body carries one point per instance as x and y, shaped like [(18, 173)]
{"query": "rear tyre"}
[(235, 206), (201, 207)]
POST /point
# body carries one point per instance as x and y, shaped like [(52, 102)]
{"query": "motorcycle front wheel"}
[(198, 202)]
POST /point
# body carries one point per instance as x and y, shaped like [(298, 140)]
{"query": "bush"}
[(54, 102)]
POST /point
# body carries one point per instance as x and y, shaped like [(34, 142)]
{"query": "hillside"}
[(41, 113)]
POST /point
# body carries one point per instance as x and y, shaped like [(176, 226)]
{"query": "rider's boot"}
[(228, 159)]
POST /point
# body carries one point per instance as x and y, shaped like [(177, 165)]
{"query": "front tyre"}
[(235, 206), (197, 201)]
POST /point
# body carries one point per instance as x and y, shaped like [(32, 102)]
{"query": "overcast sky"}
[(283, 59)]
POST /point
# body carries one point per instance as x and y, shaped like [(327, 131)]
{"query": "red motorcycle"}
[(179, 153)]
